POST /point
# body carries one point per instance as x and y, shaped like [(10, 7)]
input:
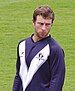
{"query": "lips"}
[(42, 34)]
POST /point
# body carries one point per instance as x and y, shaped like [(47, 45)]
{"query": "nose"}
[(43, 27)]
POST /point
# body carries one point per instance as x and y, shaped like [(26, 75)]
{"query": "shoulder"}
[(56, 51), (21, 42), (55, 47), (54, 44), (21, 46)]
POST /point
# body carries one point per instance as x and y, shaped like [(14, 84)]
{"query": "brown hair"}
[(45, 11)]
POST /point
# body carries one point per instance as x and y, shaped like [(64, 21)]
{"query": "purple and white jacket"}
[(40, 66)]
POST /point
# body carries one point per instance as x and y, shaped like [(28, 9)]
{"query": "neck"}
[(36, 38)]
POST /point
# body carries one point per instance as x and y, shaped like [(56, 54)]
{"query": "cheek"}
[(37, 28)]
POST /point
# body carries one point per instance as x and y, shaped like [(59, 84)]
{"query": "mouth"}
[(42, 35)]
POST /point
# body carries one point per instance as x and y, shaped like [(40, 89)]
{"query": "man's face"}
[(42, 26)]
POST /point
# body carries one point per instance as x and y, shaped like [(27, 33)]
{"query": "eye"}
[(47, 24), (40, 23)]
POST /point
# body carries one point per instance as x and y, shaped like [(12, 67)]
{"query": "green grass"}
[(16, 24)]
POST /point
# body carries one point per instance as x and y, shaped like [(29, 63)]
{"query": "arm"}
[(57, 68), (17, 81)]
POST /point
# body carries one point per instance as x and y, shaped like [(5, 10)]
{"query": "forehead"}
[(40, 18)]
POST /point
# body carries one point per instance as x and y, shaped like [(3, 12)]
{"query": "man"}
[(40, 60)]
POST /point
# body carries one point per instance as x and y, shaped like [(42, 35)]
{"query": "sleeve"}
[(17, 80), (57, 69)]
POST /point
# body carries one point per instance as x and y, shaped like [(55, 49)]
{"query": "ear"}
[(51, 24), (33, 23)]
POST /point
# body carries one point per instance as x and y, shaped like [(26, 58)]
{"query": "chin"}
[(43, 37)]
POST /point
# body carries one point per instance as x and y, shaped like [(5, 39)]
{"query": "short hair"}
[(44, 11)]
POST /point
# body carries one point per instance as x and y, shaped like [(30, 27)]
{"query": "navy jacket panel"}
[(17, 85), (57, 66)]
